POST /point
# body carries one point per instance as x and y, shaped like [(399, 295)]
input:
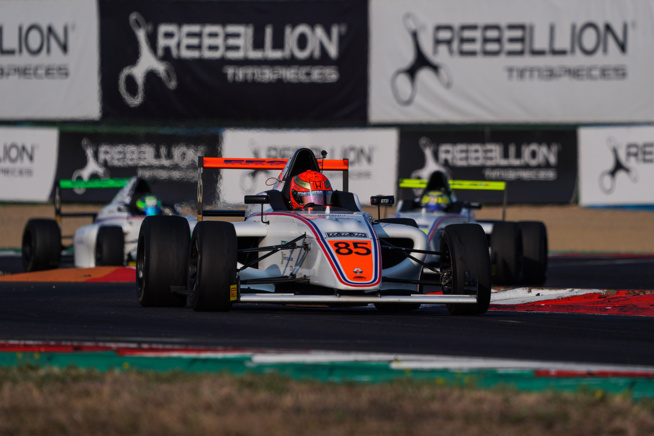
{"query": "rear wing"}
[(477, 185), (82, 184), (223, 163)]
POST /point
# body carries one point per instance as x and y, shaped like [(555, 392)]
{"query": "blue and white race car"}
[(110, 240), (518, 250), (302, 242)]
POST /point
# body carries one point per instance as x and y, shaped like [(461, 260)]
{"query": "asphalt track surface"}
[(102, 312)]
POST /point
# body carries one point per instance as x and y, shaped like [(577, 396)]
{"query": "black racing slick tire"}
[(506, 253), (465, 267), (41, 245), (161, 258), (110, 246), (534, 250), (212, 266)]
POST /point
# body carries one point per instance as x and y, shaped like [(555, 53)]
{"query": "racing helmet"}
[(149, 205), (310, 187), (435, 201)]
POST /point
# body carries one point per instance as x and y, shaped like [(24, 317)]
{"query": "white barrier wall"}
[(28, 161), (372, 154), (511, 61), (616, 165), (49, 60)]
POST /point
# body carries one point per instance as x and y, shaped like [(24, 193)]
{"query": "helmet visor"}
[(152, 210), (321, 198)]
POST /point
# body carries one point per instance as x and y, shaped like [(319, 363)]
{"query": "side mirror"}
[(378, 200), (257, 199), (386, 200)]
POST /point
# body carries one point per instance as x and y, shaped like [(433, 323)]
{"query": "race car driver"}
[(149, 205), (310, 188), (435, 201)]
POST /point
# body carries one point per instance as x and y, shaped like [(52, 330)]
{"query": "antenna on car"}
[(323, 153)]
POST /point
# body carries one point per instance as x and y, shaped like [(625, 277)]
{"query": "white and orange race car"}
[(328, 255)]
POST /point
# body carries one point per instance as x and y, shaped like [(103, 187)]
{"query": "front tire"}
[(41, 245), (465, 267), (534, 248), (161, 257), (506, 253), (212, 266), (110, 246)]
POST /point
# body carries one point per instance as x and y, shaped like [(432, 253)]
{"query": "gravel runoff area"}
[(570, 228)]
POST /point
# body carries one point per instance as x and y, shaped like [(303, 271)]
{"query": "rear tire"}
[(212, 266), (464, 262), (506, 253), (534, 249), (110, 246), (41, 245), (161, 258)]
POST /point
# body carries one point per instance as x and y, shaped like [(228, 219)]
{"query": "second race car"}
[(109, 240)]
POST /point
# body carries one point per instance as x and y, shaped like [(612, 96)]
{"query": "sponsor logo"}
[(529, 40), (361, 159), (34, 41), (582, 42), (167, 162), (17, 159), (403, 82), (303, 43), (430, 165), (512, 161), (346, 235), (91, 169), (146, 63), (632, 153)]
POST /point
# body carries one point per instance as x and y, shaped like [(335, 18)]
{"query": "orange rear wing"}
[(267, 164), (223, 163)]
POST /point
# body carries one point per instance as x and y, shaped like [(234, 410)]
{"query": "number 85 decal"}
[(342, 248)]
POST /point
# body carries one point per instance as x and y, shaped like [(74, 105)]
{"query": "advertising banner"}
[(616, 166), (168, 162), (511, 61), (49, 60), (539, 166), (372, 155), (235, 60), (28, 160)]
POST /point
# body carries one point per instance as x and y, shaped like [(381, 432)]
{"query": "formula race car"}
[(109, 240), (303, 243), (518, 250)]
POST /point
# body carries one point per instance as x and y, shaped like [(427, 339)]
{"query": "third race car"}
[(518, 250)]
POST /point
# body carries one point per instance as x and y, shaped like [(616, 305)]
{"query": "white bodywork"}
[(116, 213), (320, 262), (85, 237), (432, 224)]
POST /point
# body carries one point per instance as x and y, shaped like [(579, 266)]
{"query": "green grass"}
[(77, 401)]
